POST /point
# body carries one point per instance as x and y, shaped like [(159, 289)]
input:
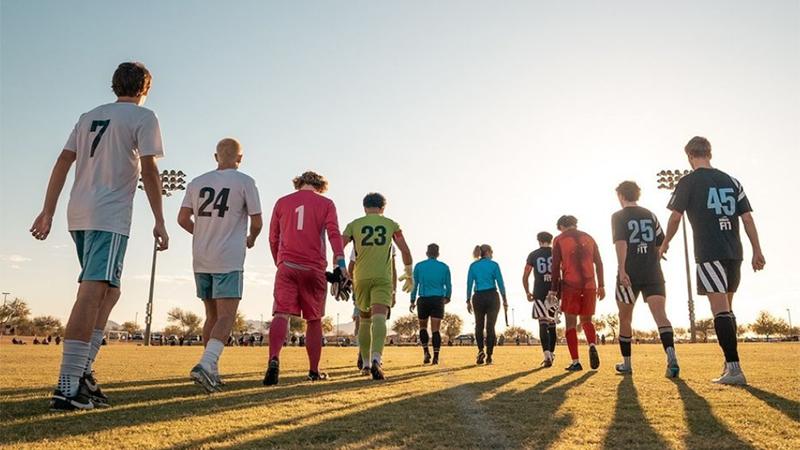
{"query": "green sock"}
[(378, 332), (365, 340)]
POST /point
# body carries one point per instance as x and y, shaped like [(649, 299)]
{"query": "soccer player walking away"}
[(714, 202), (373, 278), (637, 236), (485, 277), (299, 222), (108, 146), (540, 262), (432, 283), (576, 259), (220, 202)]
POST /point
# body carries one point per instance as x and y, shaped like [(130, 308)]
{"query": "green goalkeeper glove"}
[(407, 278)]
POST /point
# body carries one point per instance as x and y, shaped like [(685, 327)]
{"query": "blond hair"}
[(313, 179), (228, 150), (481, 251), (698, 147)]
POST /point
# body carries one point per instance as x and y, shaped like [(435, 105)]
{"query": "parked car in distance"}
[(137, 337)]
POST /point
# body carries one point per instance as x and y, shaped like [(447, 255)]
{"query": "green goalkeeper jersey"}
[(372, 236)]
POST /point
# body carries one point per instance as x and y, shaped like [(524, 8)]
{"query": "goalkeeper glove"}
[(407, 278)]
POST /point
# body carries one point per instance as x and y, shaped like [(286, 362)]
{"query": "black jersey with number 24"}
[(640, 229), (713, 200), (541, 260)]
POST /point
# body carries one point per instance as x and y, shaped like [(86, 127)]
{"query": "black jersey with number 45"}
[(541, 260), (640, 229), (713, 200)]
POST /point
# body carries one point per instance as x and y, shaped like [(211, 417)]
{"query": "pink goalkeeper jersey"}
[(297, 230)]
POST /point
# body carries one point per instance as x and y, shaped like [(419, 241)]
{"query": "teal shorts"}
[(219, 285), (101, 254)]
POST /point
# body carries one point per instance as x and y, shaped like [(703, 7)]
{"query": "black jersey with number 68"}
[(541, 260), (640, 229), (713, 200)]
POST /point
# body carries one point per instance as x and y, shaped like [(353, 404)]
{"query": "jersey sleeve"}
[(499, 277), (348, 231), (148, 137), (72, 140), (659, 231), (187, 197), (448, 285), (416, 284), (470, 281), (397, 232), (252, 200), (742, 202), (598, 265), (275, 231), (556, 271), (618, 231), (531, 261), (680, 198), (332, 227)]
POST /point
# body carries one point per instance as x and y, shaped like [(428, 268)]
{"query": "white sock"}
[(591, 345), (211, 354), (73, 362), (671, 354), (96, 343), (376, 357), (548, 355), (576, 361), (626, 361)]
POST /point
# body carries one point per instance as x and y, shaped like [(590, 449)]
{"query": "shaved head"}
[(229, 150)]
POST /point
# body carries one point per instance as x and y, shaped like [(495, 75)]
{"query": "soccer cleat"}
[(594, 358), (733, 377), (92, 390), (673, 370), (546, 363), (435, 361), (623, 370), (366, 371), (360, 362), (204, 379), (489, 360), (377, 371), (271, 377), (481, 357), (427, 359), (574, 367), (317, 376), (61, 402)]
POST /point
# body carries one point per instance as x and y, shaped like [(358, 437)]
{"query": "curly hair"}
[(374, 200), (313, 179), (544, 237), (629, 191), (131, 79)]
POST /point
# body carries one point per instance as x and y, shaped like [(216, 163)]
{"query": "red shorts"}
[(578, 302), (300, 292)]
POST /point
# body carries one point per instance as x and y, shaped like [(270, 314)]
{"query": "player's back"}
[(372, 236), (541, 260), (221, 201), (577, 251), (642, 232), (108, 142), (298, 228)]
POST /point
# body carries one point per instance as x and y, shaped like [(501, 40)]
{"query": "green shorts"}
[(219, 285), (100, 254), (373, 291)]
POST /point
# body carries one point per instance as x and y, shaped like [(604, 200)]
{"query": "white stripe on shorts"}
[(713, 281), (625, 294), (539, 311)]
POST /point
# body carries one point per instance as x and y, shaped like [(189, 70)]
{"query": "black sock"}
[(625, 345), (553, 337), (726, 335), (423, 339), (735, 326), (544, 336), (667, 337), (437, 343)]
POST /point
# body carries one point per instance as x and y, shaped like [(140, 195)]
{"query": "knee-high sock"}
[(314, 344), (589, 332), (437, 342), (277, 336), (365, 340), (553, 337), (423, 339), (625, 349), (96, 343), (378, 333), (726, 335), (572, 342), (544, 336)]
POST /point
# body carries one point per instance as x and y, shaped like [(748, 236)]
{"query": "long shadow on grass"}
[(435, 419), (181, 402), (790, 408), (705, 430), (630, 428)]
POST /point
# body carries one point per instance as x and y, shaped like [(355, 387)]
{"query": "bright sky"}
[(482, 122)]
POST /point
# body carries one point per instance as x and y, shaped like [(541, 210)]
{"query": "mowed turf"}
[(457, 405)]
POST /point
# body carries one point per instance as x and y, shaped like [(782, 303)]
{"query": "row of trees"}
[(408, 325), (17, 315)]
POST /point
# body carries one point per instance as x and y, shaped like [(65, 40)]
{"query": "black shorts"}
[(430, 307), (629, 295), (721, 276)]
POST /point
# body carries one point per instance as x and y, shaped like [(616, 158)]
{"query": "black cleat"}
[(271, 377), (574, 367), (594, 358), (435, 360), (481, 357), (93, 391), (546, 363), (489, 360), (317, 376), (427, 359), (360, 362), (377, 371), (81, 401)]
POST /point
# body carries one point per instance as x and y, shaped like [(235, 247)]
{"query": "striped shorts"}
[(629, 294), (542, 311), (721, 276), (100, 254)]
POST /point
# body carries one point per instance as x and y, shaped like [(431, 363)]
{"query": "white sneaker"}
[(732, 377)]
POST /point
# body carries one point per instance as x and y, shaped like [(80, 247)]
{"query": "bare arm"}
[(752, 234), (598, 267), (41, 226), (256, 224), (185, 219), (525, 275), (673, 223), (404, 250), (622, 256), (152, 187)]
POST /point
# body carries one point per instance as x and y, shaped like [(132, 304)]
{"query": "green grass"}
[(456, 405)]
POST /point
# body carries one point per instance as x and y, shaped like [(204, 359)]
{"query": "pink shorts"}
[(300, 292)]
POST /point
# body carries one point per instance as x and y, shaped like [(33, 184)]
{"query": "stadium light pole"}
[(171, 181), (5, 296), (668, 179), (791, 330)]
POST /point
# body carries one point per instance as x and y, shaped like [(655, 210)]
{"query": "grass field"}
[(456, 405)]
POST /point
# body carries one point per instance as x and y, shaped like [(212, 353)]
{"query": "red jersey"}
[(575, 253), (297, 230)]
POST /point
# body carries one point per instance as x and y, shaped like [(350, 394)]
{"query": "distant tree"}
[(705, 327), (451, 325), (189, 322), (612, 323), (172, 329), (13, 312), (599, 323), (741, 329), (131, 327), (680, 332), (512, 333), (765, 325), (652, 334), (406, 326), (328, 326), (239, 324), (297, 325), (45, 325)]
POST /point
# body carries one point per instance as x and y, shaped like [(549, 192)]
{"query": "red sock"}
[(588, 331), (572, 342), (314, 344), (277, 335)]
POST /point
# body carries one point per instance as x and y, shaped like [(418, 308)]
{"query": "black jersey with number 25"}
[(640, 229), (541, 260), (713, 200)]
